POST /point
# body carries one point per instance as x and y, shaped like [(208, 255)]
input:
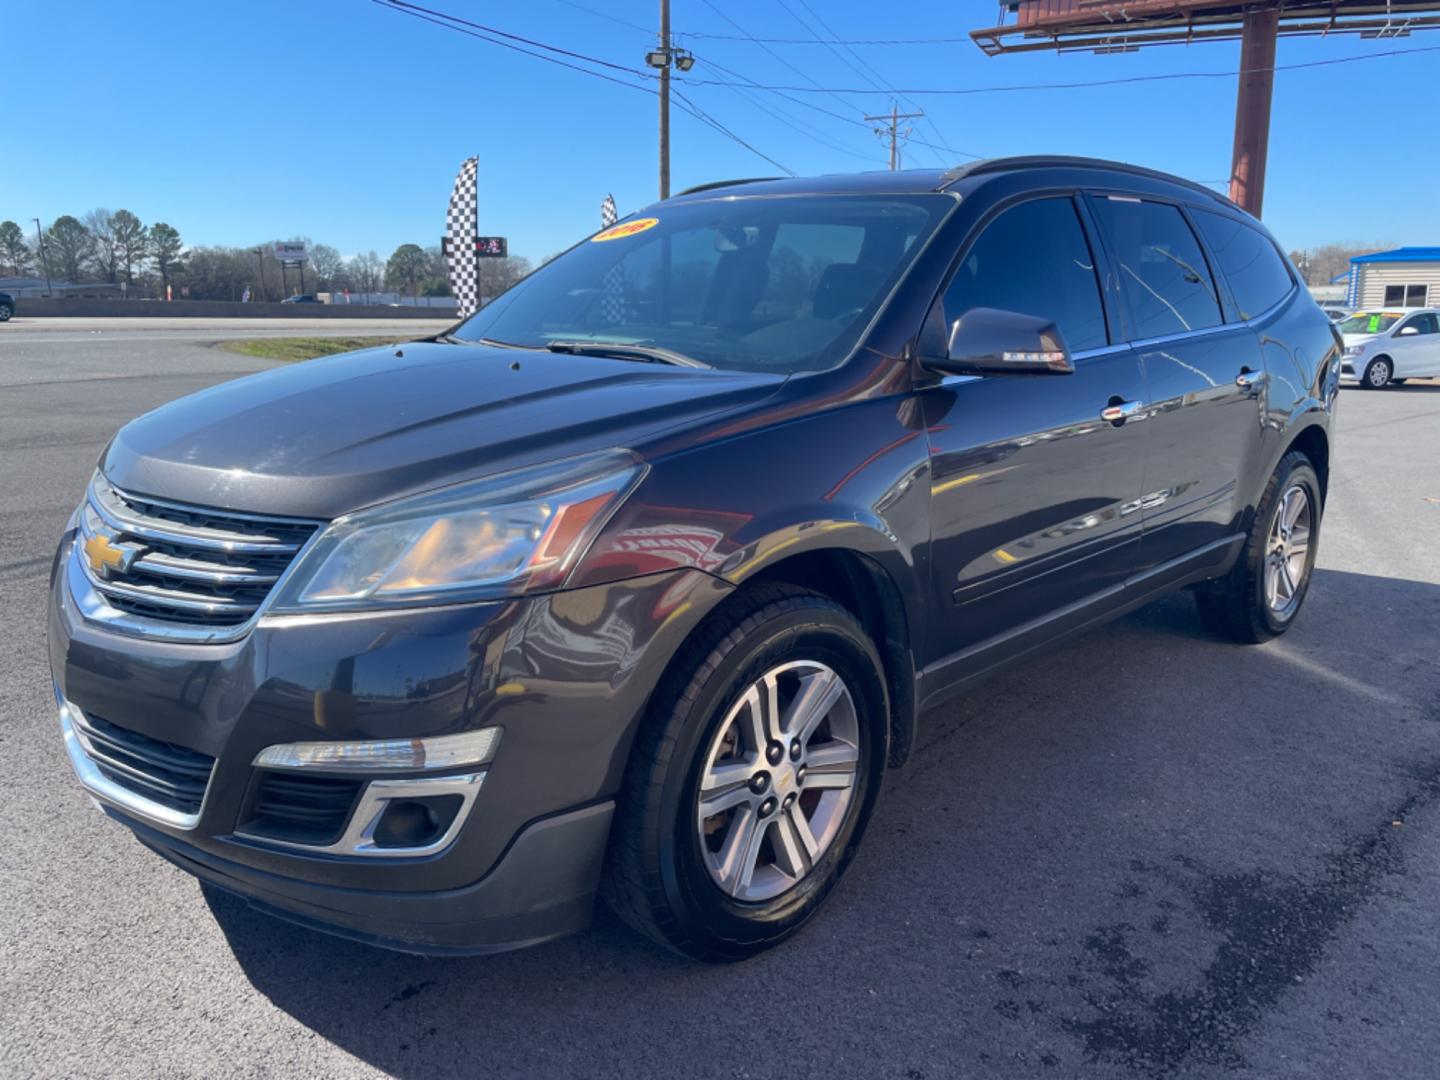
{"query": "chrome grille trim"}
[(199, 570), (110, 504), (86, 758), (200, 574)]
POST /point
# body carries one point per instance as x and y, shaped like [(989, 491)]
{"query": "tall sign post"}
[(1114, 26)]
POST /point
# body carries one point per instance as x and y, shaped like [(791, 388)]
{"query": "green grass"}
[(304, 348)]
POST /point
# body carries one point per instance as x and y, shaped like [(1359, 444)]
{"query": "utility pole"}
[(892, 128), (40, 238), (260, 261), (664, 58)]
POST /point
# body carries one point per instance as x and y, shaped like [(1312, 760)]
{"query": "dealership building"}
[(1405, 277)]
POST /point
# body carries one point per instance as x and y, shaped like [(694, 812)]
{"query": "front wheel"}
[(5, 312), (752, 778), (1377, 374), (1262, 594)]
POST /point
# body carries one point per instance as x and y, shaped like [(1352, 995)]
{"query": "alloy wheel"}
[(1378, 374), (778, 780), (1287, 551)]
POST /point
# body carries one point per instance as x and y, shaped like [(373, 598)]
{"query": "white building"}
[(1405, 277)]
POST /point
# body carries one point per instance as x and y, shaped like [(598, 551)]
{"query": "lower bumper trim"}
[(543, 888)]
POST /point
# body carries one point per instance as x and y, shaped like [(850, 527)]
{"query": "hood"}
[(328, 436), (1359, 339)]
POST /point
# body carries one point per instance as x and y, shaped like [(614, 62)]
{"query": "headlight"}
[(1354, 350), (517, 532)]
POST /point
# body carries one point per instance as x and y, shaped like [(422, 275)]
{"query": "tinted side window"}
[(1256, 273), (1034, 260), (1423, 324), (1162, 270)]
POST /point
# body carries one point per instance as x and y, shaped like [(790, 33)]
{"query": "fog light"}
[(437, 752), (415, 823)]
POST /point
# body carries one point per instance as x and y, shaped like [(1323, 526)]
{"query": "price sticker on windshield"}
[(624, 229)]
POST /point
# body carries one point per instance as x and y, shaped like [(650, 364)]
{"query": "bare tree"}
[(325, 265), (366, 273), (107, 258)]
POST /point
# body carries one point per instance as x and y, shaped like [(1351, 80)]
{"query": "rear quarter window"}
[(1257, 275)]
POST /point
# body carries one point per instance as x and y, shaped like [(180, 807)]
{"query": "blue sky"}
[(345, 122)]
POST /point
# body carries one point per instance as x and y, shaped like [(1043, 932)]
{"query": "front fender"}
[(853, 478)]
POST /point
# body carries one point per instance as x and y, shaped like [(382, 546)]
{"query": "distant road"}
[(190, 329)]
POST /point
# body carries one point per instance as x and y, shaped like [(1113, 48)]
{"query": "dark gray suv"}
[(636, 582)]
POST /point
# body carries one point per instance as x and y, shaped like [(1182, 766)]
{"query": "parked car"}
[(1387, 347), (638, 581), (302, 298), (1335, 313), (7, 306)]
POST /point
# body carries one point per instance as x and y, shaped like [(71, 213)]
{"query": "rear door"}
[(1206, 379), (1033, 494)]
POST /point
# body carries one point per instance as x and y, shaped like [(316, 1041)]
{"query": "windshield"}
[(759, 284), (1370, 322)]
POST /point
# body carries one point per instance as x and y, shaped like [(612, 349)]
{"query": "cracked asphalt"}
[(1147, 853)]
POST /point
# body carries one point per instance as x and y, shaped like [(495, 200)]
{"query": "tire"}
[(665, 872), (5, 312), (1377, 373), (1241, 606)]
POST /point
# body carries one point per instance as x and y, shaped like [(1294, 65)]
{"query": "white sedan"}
[(1383, 347)]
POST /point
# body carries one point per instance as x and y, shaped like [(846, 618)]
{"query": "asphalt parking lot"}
[(1148, 853)]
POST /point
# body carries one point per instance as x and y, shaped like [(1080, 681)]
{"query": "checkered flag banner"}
[(462, 225), (612, 295)]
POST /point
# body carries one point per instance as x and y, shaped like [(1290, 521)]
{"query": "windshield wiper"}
[(451, 339), (648, 354)]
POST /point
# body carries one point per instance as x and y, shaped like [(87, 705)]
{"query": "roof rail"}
[(1035, 161), (713, 184)]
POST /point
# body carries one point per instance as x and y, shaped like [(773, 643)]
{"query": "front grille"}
[(162, 772), (185, 564), (301, 809)]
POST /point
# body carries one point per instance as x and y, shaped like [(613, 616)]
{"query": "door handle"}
[(1251, 380), (1118, 411)]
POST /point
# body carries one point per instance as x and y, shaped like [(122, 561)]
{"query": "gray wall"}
[(211, 309)]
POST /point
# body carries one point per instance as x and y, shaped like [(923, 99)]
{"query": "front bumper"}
[(565, 676)]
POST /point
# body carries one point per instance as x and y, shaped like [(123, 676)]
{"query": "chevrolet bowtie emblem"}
[(105, 556)]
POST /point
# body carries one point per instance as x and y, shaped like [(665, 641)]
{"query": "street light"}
[(40, 237)]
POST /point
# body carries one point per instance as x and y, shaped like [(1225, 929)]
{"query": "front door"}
[(1415, 346), (1034, 496)]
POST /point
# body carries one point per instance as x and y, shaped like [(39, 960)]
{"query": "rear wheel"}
[(1377, 373), (753, 776), (1262, 594), (5, 312)]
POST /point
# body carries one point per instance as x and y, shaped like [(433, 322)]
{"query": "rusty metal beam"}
[(1252, 108)]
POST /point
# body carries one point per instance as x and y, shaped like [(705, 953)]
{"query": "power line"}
[(777, 56), (407, 7), (439, 21), (798, 126), (700, 114), (823, 41), (1019, 87), (449, 22), (882, 84)]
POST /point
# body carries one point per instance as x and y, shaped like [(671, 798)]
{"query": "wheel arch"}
[(1314, 443), (858, 583)]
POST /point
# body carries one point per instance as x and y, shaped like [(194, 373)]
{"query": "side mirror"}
[(985, 341), (1406, 331)]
